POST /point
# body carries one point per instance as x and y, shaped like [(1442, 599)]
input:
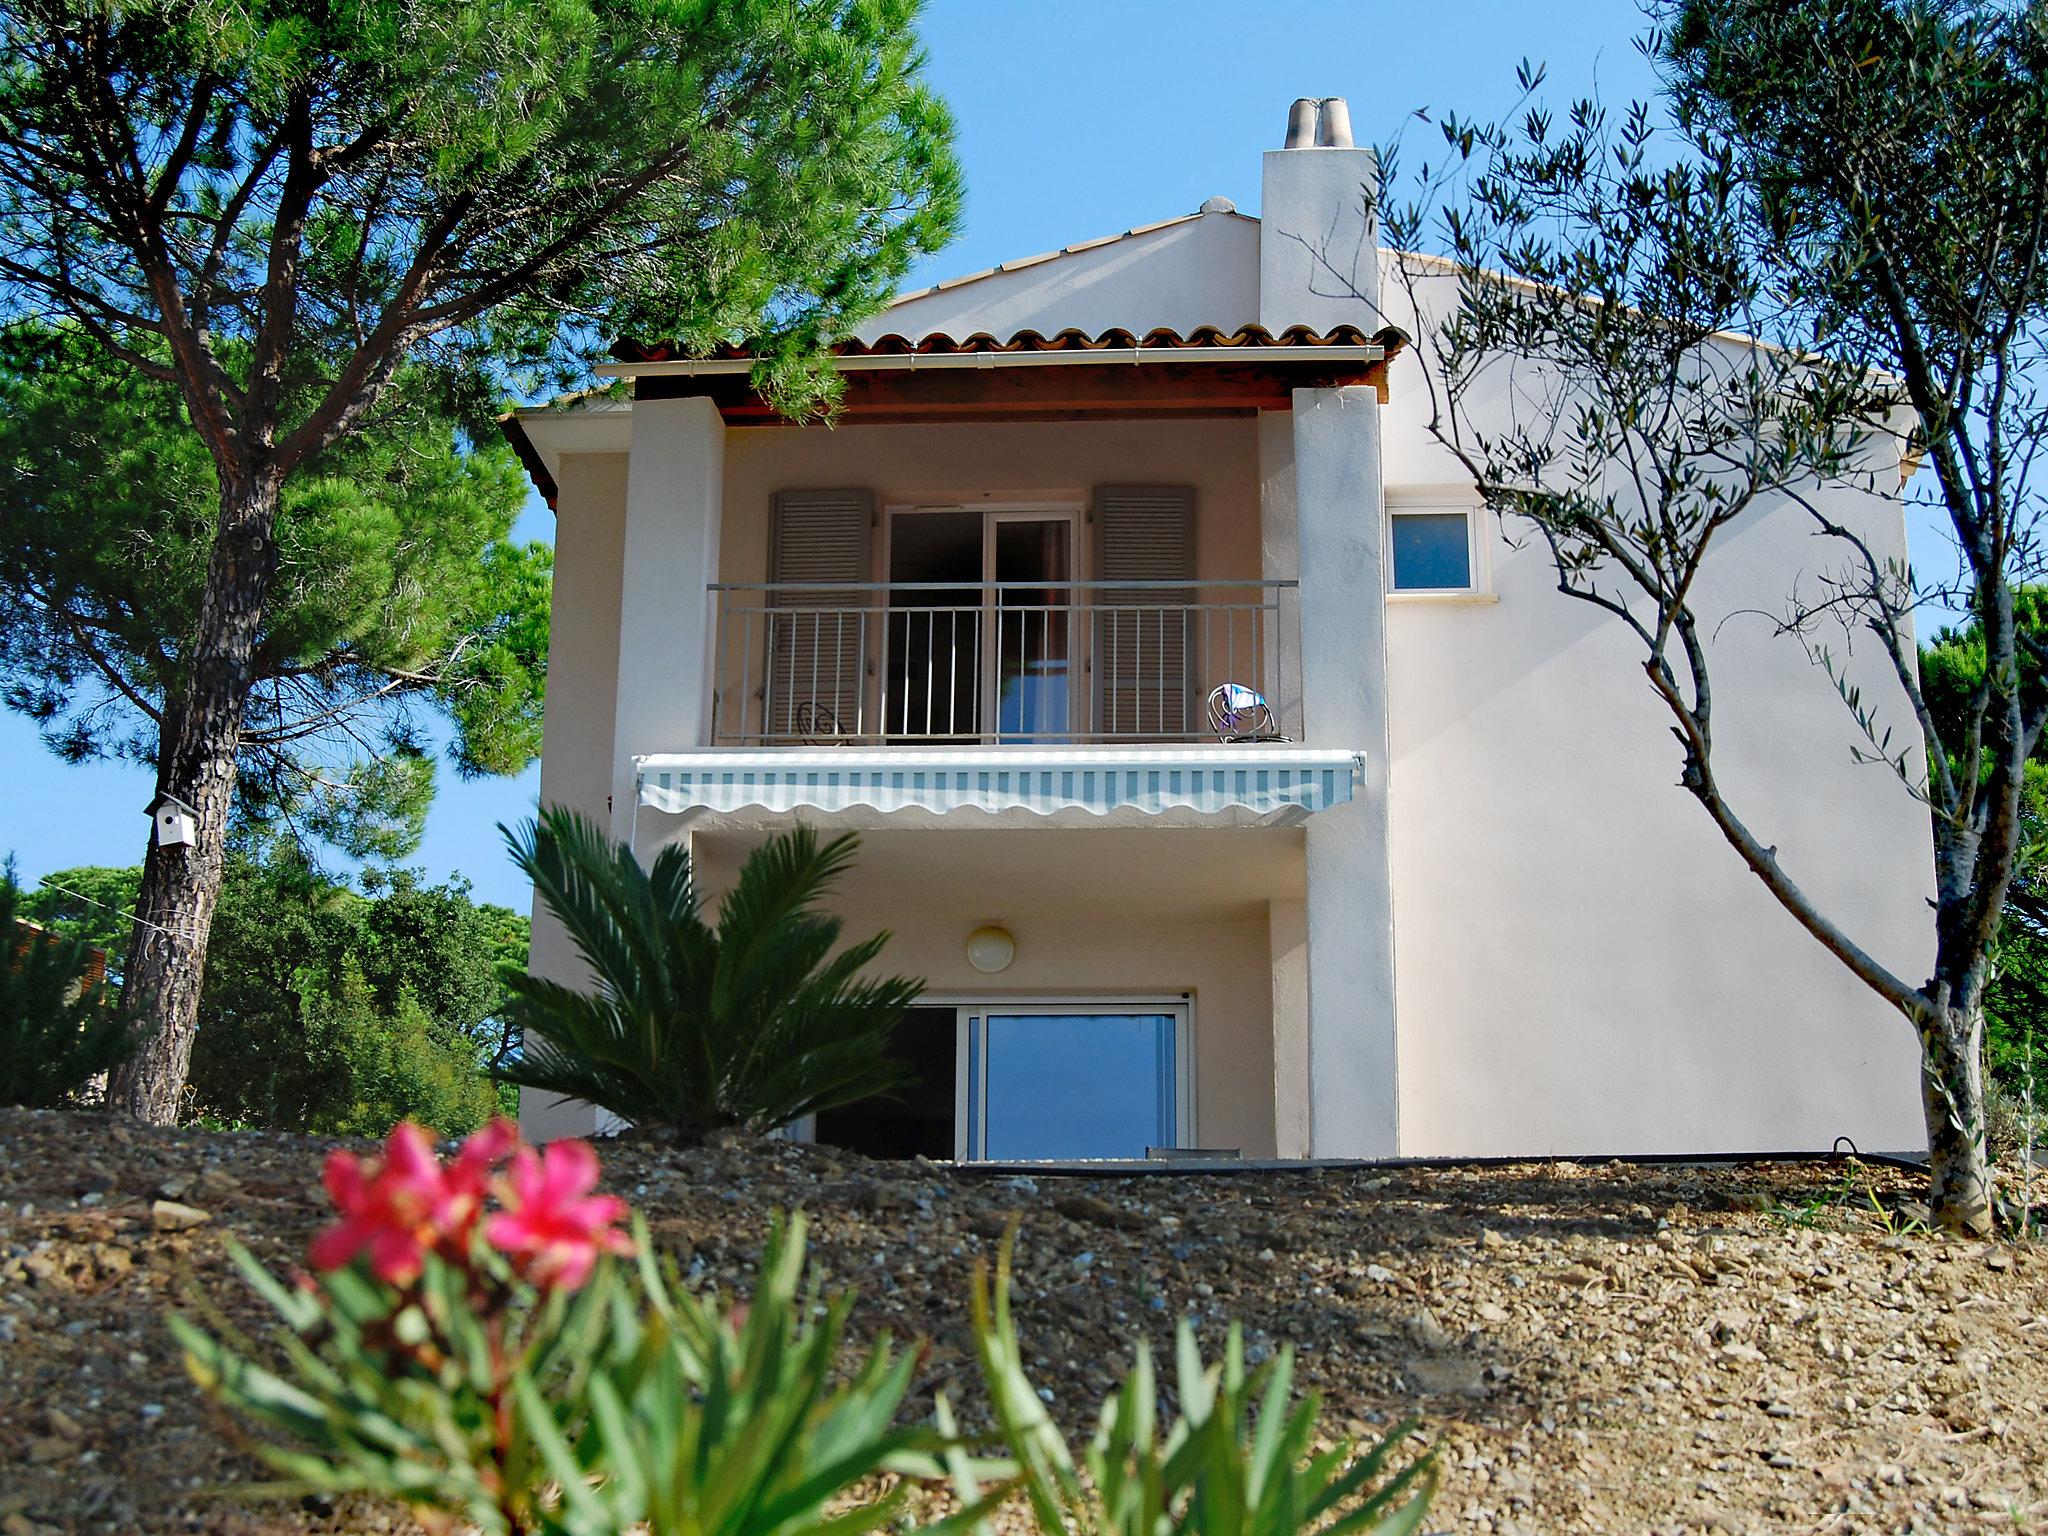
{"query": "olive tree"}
[(1818, 259)]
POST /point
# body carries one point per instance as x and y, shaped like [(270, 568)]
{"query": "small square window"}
[(1432, 551)]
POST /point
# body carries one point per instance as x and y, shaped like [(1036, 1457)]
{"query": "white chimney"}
[(1317, 246)]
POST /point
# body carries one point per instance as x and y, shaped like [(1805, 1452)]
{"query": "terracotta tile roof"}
[(1250, 338)]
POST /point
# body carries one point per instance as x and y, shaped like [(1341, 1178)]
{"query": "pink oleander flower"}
[(390, 1207), (399, 1207), (469, 1175), (552, 1227)]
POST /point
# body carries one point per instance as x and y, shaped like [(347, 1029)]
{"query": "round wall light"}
[(990, 949)]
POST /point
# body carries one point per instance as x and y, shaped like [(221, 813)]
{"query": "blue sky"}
[(1076, 118)]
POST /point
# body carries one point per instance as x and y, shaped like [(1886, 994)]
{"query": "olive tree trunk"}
[(199, 747), (1952, 1101)]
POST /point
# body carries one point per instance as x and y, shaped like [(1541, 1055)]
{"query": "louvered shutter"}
[(816, 640), (1143, 533)]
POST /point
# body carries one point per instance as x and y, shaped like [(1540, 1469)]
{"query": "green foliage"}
[(326, 1010), (752, 1021), (740, 1420), (57, 1032), (2016, 1001), (333, 1012), (399, 595), (1238, 1458), (467, 1395), (92, 902), (508, 186), (626, 1402), (376, 1065)]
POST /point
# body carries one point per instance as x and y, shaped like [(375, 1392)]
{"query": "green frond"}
[(755, 1020)]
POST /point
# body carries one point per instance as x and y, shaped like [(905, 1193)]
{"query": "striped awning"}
[(1256, 785)]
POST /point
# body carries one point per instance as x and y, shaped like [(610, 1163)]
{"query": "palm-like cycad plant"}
[(750, 1021)]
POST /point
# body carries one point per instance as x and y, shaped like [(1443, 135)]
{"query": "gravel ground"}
[(1608, 1349)]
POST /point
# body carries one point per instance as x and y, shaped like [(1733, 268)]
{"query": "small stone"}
[(1100, 1213), (1425, 1330), (1492, 1312), (17, 1525), (170, 1216), (49, 1448), (1488, 1238), (1379, 1274), (1446, 1376), (62, 1425), (1999, 1259)]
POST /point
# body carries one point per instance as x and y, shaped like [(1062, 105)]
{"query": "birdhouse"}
[(176, 825)]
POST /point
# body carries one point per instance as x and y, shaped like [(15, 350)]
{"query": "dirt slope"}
[(1603, 1349)]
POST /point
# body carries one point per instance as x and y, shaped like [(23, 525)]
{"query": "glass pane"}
[(1432, 551), (1032, 676), (932, 690), (1078, 1085)]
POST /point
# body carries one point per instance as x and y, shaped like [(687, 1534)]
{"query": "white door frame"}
[(1074, 513)]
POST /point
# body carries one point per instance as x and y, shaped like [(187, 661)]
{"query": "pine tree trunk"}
[(1952, 1099), (197, 754)]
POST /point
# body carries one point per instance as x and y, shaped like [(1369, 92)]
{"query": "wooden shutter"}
[(817, 642), (1141, 635)]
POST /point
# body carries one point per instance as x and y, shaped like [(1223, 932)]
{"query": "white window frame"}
[(1478, 547)]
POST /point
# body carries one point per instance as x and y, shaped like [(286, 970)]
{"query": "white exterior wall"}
[(1583, 965)]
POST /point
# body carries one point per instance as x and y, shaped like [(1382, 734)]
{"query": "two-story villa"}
[(1237, 783)]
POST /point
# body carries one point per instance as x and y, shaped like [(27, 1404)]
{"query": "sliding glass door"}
[(978, 637), (1073, 1081)]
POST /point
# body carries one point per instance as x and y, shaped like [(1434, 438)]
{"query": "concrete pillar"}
[(1280, 560), (675, 498), (1353, 1086), (576, 734), (1287, 942)]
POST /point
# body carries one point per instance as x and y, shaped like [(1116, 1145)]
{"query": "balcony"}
[(1000, 663)]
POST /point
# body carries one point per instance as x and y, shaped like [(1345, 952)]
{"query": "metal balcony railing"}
[(1007, 662)]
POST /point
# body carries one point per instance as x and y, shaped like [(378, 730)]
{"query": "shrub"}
[(507, 1369), (391, 1065), (58, 1027), (333, 1012), (753, 1021)]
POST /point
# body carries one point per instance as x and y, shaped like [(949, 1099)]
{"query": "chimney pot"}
[(1301, 124), (1333, 123)]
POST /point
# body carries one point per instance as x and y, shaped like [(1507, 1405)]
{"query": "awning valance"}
[(1262, 785)]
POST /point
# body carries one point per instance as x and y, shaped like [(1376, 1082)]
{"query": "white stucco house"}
[(1439, 896)]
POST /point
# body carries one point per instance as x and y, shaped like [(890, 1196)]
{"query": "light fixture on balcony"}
[(990, 949)]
